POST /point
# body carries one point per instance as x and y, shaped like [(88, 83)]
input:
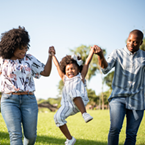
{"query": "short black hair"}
[(137, 32), (12, 39), (69, 60)]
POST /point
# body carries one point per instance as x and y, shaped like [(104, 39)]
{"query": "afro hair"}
[(68, 60), (12, 39)]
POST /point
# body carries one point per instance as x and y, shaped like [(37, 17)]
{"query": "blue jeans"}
[(117, 113), (17, 109)]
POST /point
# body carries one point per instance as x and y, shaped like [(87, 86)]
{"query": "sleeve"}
[(37, 67), (76, 89), (111, 60)]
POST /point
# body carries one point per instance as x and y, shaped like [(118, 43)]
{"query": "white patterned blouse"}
[(17, 75)]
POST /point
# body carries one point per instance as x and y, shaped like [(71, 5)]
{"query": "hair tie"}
[(79, 62)]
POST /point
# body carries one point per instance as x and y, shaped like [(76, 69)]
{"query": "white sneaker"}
[(70, 142), (87, 117)]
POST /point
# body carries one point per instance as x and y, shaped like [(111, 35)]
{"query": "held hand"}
[(92, 49), (97, 50), (51, 51), (102, 61)]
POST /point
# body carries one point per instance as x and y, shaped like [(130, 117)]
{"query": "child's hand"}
[(92, 49), (51, 51), (97, 50)]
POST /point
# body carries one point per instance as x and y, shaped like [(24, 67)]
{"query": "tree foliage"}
[(108, 79), (83, 51), (106, 95), (92, 96), (60, 87), (142, 47)]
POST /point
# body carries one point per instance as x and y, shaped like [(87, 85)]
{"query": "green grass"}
[(92, 133)]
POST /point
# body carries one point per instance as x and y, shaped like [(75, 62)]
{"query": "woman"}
[(17, 69)]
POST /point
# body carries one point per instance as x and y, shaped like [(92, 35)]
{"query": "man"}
[(127, 97)]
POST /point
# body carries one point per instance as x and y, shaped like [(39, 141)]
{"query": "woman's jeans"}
[(117, 114), (17, 109)]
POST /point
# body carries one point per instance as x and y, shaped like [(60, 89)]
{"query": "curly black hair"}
[(68, 60), (12, 39)]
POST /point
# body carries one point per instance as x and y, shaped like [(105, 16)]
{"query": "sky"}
[(67, 24)]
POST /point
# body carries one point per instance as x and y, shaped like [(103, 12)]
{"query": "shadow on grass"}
[(4, 137), (57, 141), (50, 140)]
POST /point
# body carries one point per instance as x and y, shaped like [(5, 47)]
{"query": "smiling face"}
[(71, 70), (133, 42), (20, 53)]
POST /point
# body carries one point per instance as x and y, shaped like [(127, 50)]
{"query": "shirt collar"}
[(130, 53), (77, 76)]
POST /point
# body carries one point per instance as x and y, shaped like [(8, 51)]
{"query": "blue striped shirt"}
[(128, 80)]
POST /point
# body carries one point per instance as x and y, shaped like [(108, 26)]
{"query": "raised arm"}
[(56, 62), (48, 65), (102, 61), (86, 65)]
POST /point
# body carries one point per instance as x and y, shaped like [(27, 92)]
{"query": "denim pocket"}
[(31, 97)]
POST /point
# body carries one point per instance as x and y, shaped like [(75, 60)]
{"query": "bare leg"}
[(65, 131), (79, 103)]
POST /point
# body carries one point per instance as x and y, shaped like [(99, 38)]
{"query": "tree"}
[(51, 103), (108, 79), (92, 96), (60, 87), (142, 47), (0, 100), (84, 50)]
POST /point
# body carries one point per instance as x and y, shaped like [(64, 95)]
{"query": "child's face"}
[(71, 70), (20, 53), (133, 42)]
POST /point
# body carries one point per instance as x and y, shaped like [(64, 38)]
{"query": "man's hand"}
[(102, 61), (97, 50), (51, 51)]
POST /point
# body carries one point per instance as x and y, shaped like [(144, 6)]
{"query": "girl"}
[(74, 95), (17, 69)]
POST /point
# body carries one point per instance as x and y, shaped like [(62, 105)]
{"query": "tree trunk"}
[(102, 92)]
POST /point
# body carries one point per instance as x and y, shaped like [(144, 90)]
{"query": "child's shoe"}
[(87, 117), (70, 142)]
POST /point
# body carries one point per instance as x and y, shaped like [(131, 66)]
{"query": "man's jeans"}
[(117, 114), (17, 109)]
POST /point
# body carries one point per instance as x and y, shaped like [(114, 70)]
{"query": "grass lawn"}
[(92, 133)]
